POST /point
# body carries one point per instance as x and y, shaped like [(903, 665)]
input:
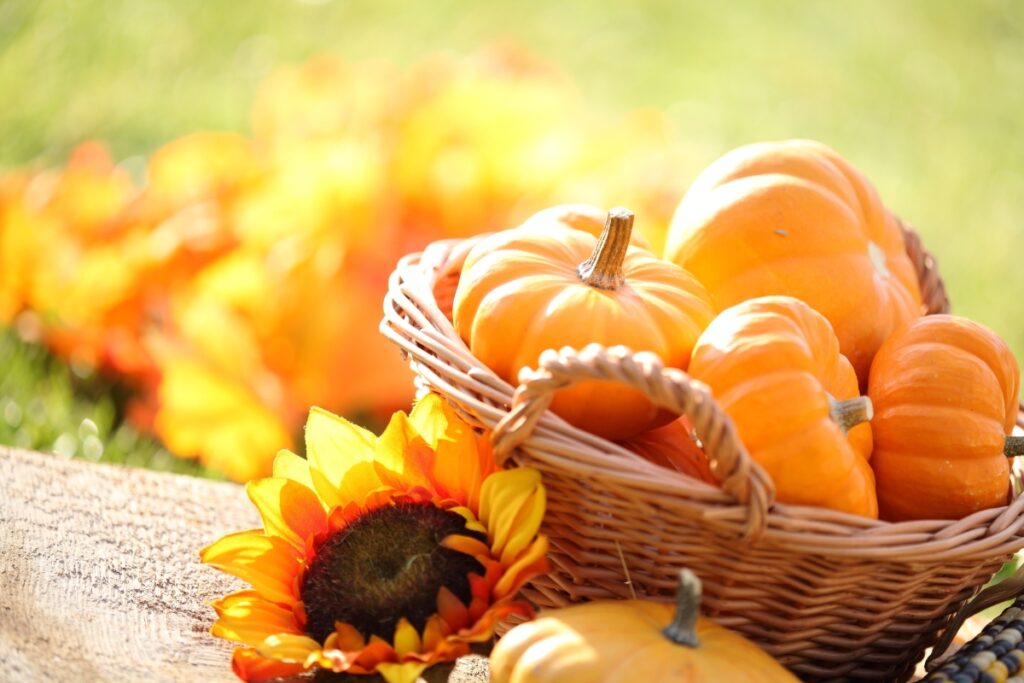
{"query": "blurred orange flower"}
[(240, 281)]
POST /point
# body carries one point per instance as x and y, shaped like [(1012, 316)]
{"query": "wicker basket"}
[(831, 595)]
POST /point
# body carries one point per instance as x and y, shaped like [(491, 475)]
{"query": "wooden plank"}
[(100, 577)]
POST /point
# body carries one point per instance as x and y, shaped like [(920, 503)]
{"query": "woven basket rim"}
[(414, 321)]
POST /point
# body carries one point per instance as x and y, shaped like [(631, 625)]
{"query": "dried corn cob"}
[(996, 655)]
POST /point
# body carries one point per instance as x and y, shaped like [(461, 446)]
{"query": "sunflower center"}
[(386, 565)]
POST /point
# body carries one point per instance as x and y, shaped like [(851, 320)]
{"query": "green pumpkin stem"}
[(604, 267), (851, 412), (683, 629), (1013, 446)]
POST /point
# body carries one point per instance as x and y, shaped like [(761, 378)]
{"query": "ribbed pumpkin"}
[(795, 218), (544, 286), (945, 393), (773, 364), (674, 448), (585, 217), (625, 641)]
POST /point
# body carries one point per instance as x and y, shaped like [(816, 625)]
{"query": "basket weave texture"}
[(832, 596)]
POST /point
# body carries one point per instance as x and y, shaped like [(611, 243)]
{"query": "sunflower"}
[(380, 554)]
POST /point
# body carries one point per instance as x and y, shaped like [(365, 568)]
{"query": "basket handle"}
[(1008, 589), (670, 388)]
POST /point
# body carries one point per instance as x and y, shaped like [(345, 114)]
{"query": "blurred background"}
[(200, 201)]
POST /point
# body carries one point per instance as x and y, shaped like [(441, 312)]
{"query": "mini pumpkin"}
[(624, 641), (795, 218), (585, 217), (774, 366), (545, 286), (945, 392), (673, 447)]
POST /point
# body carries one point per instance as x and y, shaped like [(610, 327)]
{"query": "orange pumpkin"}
[(545, 286), (773, 364), (945, 393), (674, 447), (795, 218), (585, 217), (623, 641)]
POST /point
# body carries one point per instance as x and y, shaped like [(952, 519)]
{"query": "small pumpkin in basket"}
[(585, 217), (625, 641), (674, 448), (795, 218), (945, 392), (545, 285), (773, 364)]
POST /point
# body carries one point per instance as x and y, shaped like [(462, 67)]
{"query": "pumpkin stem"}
[(604, 267), (1013, 446), (851, 412), (683, 629)]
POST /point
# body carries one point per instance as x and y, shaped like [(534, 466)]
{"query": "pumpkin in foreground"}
[(546, 285), (795, 218), (774, 366), (945, 393), (625, 641)]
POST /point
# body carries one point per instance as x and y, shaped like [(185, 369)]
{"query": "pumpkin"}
[(774, 366), (945, 392), (543, 286), (795, 218), (623, 641), (673, 447), (585, 217)]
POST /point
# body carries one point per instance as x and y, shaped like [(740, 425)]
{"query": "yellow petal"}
[(247, 618), (269, 564), (430, 418), (333, 446), (406, 672), (290, 466), (466, 545), (360, 481), (527, 565), (472, 523), (406, 638), (289, 510), (288, 647), (403, 452), (509, 498)]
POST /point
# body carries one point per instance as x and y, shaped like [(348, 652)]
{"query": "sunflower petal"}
[(406, 672), (407, 640), (451, 609), (403, 457), (247, 618), (248, 665), (345, 638), (509, 498), (531, 563), (429, 417), (333, 446), (270, 565), (288, 465), (466, 545), (289, 510), (288, 647), (434, 633)]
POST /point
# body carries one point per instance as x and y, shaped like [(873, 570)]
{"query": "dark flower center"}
[(386, 565)]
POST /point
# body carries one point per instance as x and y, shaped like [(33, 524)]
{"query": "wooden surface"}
[(100, 578)]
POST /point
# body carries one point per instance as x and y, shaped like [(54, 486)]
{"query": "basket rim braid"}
[(829, 593)]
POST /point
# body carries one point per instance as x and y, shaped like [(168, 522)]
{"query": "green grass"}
[(925, 96), (46, 406)]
